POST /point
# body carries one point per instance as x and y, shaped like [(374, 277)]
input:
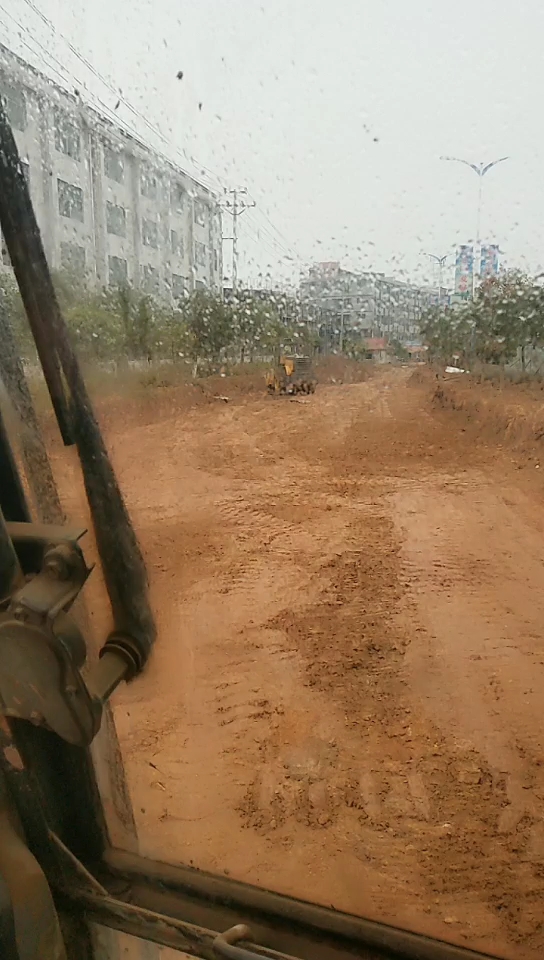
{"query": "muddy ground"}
[(345, 701)]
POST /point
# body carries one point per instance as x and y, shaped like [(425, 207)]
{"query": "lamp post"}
[(440, 261), (480, 169)]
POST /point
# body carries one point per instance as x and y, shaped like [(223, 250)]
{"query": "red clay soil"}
[(345, 700)]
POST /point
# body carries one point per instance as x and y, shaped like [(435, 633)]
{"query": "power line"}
[(66, 78), (43, 53), (264, 233), (267, 246), (280, 235), (119, 96)]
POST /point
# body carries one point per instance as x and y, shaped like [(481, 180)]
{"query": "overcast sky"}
[(333, 115)]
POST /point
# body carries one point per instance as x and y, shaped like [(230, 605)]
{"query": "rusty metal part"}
[(37, 930), (285, 924), (44, 533), (55, 588), (40, 681), (32, 539), (149, 925), (224, 944), (42, 650), (80, 870), (10, 571), (35, 920), (106, 675), (122, 645), (8, 940)]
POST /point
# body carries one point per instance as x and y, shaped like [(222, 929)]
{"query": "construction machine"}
[(292, 375), (71, 886)]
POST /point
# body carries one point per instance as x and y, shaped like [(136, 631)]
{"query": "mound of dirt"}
[(238, 384), (513, 416), (342, 370)]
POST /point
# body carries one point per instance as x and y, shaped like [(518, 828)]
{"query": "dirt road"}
[(345, 700)]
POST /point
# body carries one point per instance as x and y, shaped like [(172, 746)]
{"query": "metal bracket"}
[(42, 650)]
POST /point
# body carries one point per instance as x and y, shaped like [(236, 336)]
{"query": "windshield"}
[(299, 252)]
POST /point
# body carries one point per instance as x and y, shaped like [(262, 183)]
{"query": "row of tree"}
[(505, 318), (123, 323)]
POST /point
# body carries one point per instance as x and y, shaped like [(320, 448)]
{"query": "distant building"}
[(342, 303), (417, 351), (376, 348), (107, 205)]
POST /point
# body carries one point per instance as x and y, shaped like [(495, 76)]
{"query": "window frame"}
[(118, 157), (67, 262), (9, 93), (146, 224), (71, 186), (64, 126), (124, 279), (112, 209)]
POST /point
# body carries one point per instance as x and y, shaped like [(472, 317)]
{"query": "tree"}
[(210, 326), (446, 333), (251, 316), (506, 315), (399, 350)]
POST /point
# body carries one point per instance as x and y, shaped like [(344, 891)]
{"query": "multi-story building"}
[(342, 303), (107, 205)]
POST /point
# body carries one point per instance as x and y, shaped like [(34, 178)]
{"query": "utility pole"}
[(236, 207)]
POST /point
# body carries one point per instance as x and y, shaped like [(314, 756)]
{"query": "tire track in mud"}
[(307, 760)]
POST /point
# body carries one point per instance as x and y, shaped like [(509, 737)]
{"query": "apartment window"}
[(179, 286), (72, 257), (114, 164), (116, 220), (150, 280), (150, 233), (67, 138), (200, 254), (200, 212), (177, 197), (117, 271), (215, 260), (70, 200), (148, 184), (14, 103), (176, 243)]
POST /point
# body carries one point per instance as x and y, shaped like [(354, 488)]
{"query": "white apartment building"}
[(107, 205)]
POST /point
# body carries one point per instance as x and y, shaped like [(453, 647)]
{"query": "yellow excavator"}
[(291, 376)]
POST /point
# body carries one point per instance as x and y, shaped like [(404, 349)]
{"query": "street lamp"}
[(440, 261), (480, 169)]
